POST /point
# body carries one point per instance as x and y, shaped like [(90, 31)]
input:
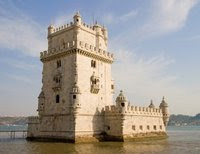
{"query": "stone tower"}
[(75, 103), (76, 80)]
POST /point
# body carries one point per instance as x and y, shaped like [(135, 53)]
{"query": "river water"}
[(182, 140)]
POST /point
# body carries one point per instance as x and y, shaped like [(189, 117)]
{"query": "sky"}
[(155, 43)]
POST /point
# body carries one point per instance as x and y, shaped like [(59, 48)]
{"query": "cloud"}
[(132, 14), (168, 16), (143, 79), (164, 17), (19, 32), (142, 76)]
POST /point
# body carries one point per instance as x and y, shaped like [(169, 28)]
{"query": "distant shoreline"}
[(174, 120)]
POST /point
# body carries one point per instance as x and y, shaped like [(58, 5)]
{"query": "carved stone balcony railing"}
[(95, 88)]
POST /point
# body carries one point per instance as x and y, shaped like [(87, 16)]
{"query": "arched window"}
[(57, 98), (93, 63)]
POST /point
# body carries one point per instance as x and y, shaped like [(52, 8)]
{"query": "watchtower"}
[(76, 78)]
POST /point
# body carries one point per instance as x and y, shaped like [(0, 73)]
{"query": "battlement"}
[(94, 29), (87, 49), (33, 119), (133, 110)]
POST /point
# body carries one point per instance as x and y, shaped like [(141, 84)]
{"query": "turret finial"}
[(151, 104)]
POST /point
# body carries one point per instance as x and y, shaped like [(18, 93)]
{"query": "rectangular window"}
[(154, 127), (133, 127), (93, 63), (141, 128), (57, 98), (108, 127), (74, 96), (161, 127), (148, 127), (112, 86)]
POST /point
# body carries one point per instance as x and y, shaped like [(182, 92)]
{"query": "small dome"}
[(151, 104), (163, 103), (121, 97)]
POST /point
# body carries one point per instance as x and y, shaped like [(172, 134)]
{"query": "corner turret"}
[(164, 107), (41, 101), (77, 19), (121, 101), (75, 93), (50, 29)]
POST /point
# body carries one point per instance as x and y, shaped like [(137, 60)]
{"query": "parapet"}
[(133, 110), (84, 48), (90, 28)]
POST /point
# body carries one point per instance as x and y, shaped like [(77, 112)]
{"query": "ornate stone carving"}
[(94, 80)]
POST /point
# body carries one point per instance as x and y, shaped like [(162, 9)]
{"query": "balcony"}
[(95, 88)]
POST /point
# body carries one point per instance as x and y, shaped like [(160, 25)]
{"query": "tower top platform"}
[(89, 40)]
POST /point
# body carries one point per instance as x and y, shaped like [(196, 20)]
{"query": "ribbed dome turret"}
[(121, 97), (77, 19), (50, 29), (151, 104), (163, 103)]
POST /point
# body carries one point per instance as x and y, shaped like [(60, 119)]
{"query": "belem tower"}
[(76, 99)]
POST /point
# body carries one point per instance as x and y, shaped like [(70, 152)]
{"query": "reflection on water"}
[(183, 141)]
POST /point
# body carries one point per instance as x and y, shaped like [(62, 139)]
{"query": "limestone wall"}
[(50, 70), (91, 102), (132, 120)]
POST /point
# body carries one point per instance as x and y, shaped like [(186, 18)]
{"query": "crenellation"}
[(74, 44), (133, 110)]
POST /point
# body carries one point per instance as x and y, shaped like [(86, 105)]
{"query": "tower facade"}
[(76, 80)]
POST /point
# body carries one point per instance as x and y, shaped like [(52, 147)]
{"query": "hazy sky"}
[(156, 45)]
